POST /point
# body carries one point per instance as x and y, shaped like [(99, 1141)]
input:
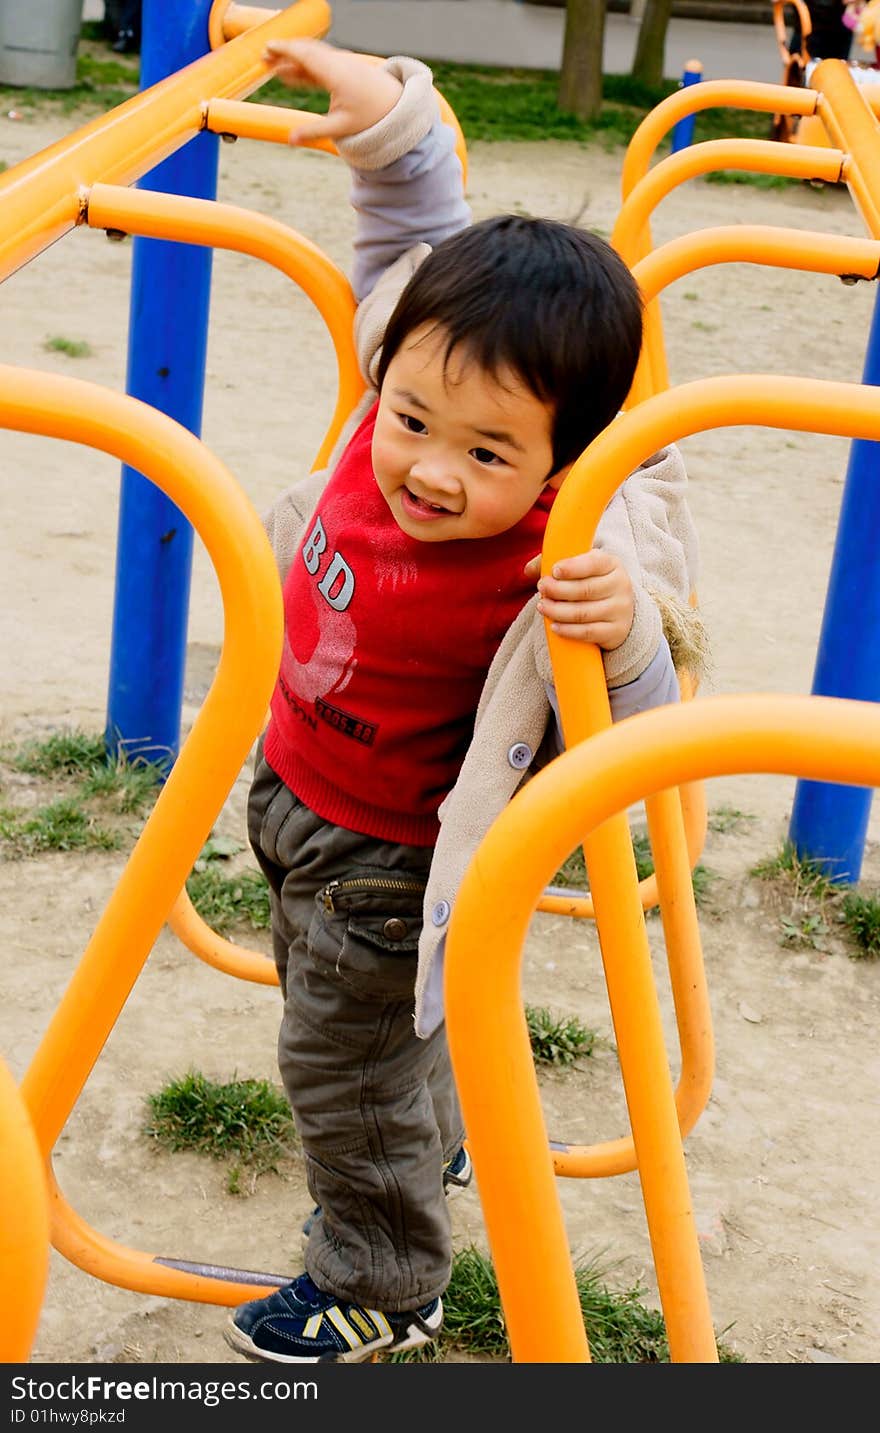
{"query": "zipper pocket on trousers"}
[(370, 885)]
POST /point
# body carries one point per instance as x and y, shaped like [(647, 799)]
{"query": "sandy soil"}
[(782, 1169)]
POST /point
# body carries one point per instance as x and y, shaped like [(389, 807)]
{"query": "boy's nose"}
[(435, 473)]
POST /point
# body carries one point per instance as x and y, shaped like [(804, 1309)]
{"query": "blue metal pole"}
[(168, 333), (829, 823), (683, 132)]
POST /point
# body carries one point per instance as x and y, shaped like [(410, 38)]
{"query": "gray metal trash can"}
[(38, 42)]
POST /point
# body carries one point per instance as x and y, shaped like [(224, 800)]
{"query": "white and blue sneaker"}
[(300, 1324)]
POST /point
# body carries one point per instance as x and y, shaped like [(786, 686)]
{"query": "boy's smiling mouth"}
[(421, 508)]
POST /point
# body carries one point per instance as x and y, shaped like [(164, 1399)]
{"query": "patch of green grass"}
[(620, 1328), (224, 901), (703, 878), (63, 825), (757, 181), (69, 752), (725, 819), (861, 917), (557, 1039), (247, 1122), (128, 786), (81, 756), (809, 879), (72, 347), (642, 851)]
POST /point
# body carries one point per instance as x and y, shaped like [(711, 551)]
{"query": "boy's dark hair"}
[(554, 304)]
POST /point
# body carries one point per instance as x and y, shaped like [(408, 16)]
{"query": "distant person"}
[(830, 38), (122, 25)]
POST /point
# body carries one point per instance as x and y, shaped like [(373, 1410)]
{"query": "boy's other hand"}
[(361, 92), (588, 598)]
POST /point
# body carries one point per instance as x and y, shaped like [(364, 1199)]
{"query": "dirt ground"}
[(783, 1165)]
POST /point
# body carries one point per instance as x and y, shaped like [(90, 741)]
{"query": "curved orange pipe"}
[(815, 737), (204, 221), (24, 1225), (219, 741), (41, 196)]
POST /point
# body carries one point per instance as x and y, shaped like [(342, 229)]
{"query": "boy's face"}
[(456, 453)]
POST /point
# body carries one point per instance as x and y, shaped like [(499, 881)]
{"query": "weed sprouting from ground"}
[(247, 1122), (63, 825), (224, 901), (90, 785), (808, 878), (557, 1039), (727, 819), (72, 347), (861, 917), (70, 752), (129, 783), (816, 901)]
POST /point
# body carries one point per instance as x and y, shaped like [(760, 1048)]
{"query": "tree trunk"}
[(580, 81), (651, 44)]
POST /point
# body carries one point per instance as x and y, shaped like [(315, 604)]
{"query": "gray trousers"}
[(375, 1107)]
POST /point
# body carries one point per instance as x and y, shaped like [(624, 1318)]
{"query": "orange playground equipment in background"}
[(581, 798)]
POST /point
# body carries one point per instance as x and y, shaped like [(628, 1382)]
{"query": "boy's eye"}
[(485, 455), (412, 424)]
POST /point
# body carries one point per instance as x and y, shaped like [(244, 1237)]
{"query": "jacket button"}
[(440, 913), (520, 756), (395, 928)]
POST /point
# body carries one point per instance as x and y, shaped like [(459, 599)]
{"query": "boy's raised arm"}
[(406, 177)]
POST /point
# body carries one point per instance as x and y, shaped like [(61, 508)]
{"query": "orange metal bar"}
[(742, 94), (40, 197), (165, 1275), (202, 777), (24, 1225), (274, 123), (791, 403), (227, 20), (213, 949), (742, 243), (242, 119), (815, 737), (708, 94), (221, 736), (757, 244), (203, 221), (631, 234), (853, 126)]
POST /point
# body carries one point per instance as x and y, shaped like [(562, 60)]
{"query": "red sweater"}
[(387, 644)]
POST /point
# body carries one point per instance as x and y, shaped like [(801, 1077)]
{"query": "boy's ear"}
[(558, 478)]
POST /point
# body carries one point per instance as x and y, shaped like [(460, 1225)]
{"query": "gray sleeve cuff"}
[(403, 127), (630, 659)]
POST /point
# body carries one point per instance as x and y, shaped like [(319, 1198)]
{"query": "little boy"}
[(415, 684)]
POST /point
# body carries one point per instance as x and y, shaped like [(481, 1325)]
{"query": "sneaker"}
[(300, 1324), (457, 1175), (457, 1172)]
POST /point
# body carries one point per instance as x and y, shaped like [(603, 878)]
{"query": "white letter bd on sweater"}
[(338, 574)]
